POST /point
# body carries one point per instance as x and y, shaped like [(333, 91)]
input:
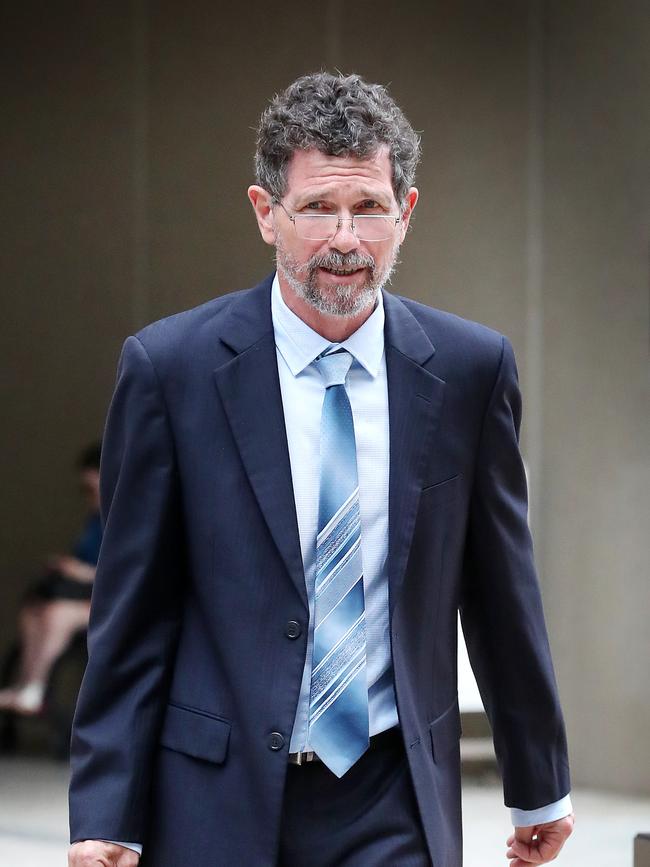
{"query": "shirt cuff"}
[(549, 813), (136, 847)]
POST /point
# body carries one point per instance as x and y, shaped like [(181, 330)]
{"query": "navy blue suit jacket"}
[(185, 714)]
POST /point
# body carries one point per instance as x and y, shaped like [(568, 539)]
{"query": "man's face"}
[(340, 276)]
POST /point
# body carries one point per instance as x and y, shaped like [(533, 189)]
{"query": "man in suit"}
[(302, 484)]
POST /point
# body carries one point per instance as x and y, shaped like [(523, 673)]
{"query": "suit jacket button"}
[(276, 741), (293, 629)]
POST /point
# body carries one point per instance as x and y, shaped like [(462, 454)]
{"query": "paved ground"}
[(33, 822)]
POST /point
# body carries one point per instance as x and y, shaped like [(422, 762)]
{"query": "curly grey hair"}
[(340, 115)]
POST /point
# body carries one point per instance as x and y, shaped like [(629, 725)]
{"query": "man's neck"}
[(336, 329)]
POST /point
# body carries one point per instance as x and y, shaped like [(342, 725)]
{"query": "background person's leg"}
[(30, 629), (57, 623)]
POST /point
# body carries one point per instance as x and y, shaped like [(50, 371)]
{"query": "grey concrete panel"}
[(65, 271), (597, 430)]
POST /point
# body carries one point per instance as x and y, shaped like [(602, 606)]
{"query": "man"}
[(302, 483)]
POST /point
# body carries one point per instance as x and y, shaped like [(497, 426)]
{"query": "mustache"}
[(341, 261)]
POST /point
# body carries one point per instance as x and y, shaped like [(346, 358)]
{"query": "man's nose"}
[(344, 240)]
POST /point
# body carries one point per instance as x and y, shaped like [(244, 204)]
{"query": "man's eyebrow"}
[(316, 195)]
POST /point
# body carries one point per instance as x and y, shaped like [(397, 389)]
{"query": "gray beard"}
[(334, 299)]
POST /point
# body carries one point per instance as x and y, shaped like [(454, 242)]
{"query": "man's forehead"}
[(313, 168)]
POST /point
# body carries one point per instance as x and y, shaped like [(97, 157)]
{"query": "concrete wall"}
[(65, 263), (127, 153), (596, 397)]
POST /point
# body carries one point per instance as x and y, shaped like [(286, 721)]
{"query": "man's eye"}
[(370, 205), (314, 206)]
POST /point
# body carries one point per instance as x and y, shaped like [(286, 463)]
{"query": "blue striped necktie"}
[(338, 712)]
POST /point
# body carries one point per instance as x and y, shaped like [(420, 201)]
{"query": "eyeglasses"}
[(323, 227)]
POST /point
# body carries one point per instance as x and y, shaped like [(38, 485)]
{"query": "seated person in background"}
[(58, 605)]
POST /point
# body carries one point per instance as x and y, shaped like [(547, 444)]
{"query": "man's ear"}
[(411, 201), (260, 199)]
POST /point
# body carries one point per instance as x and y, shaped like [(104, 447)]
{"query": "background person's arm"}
[(73, 568)]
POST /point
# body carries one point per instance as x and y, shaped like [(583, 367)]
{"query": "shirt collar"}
[(299, 344)]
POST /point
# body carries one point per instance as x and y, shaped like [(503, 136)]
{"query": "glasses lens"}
[(322, 227), (373, 228), (316, 227)]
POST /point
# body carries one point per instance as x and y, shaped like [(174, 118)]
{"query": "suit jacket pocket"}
[(440, 492), (445, 732), (195, 733)]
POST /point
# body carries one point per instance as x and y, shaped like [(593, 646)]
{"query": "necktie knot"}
[(334, 367)]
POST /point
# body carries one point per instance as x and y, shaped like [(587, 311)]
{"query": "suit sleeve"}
[(501, 611), (134, 613)]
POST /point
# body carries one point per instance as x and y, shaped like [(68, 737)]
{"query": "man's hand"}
[(97, 853), (538, 844)]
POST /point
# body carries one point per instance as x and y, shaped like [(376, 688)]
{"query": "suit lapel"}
[(415, 402), (250, 391)]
